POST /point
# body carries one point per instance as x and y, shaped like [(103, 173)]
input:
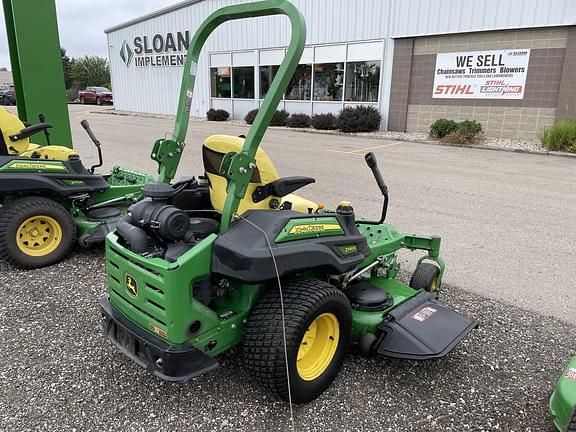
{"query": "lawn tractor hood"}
[(422, 328), (298, 241)]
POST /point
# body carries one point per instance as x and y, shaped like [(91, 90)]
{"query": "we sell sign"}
[(481, 74)]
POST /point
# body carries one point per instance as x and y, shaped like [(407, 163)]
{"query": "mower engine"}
[(154, 228)]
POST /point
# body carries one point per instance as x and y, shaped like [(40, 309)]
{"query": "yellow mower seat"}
[(11, 125), (214, 149)]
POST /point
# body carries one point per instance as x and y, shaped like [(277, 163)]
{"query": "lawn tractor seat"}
[(15, 140), (266, 189)]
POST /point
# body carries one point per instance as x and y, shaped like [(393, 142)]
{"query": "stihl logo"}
[(453, 89)]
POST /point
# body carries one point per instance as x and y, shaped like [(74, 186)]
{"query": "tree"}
[(90, 71), (67, 66)]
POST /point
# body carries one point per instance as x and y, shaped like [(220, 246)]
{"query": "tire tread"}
[(423, 275), (12, 210), (263, 342)]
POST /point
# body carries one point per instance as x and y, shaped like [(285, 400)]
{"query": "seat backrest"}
[(9, 125), (213, 150)]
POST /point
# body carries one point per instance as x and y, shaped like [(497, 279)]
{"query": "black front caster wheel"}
[(425, 277)]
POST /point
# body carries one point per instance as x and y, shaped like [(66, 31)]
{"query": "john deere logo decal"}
[(131, 285), (33, 166), (314, 228), (126, 53)]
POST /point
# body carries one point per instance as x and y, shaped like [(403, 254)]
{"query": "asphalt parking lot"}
[(509, 242)]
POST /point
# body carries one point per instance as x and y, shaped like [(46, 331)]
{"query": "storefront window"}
[(220, 78), (300, 84), (267, 74), (243, 82), (328, 81), (362, 81)]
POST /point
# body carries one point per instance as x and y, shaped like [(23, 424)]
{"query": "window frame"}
[(254, 81), (378, 64), (210, 80), (259, 97), (339, 101), (311, 99)]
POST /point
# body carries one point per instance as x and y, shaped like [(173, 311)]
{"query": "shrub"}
[(217, 114), (469, 129), (72, 94), (298, 121), (250, 116), (560, 136), (442, 127), (324, 121), (451, 132), (359, 119), (278, 119), (456, 138)]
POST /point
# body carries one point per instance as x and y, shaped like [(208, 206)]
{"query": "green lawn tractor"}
[(49, 199), (243, 262), (563, 400)]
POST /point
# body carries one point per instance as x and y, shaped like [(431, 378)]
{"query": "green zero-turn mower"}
[(49, 199), (563, 400), (244, 262)]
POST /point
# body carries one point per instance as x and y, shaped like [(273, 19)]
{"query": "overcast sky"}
[(81, 23)]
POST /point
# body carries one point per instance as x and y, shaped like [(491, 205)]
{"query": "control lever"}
[(86, 127), (373, 165), (42, 119)]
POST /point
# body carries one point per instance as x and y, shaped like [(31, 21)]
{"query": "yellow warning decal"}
[(313, 228), (157, 330)]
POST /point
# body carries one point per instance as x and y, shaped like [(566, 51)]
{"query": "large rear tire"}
[(318, 321), (35, 232)]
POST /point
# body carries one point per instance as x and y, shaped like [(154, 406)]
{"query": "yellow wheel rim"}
[(39, 236), (434, 285), (318, 347)]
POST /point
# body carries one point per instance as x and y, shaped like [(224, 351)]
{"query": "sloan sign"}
[(160, 50), (481, 74)]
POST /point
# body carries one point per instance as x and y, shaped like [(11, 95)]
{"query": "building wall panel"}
[(566, 107), (156, 90), (426, 17), (521, 118)]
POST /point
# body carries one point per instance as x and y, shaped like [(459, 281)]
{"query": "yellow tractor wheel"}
[(35, 232), (318, 325)]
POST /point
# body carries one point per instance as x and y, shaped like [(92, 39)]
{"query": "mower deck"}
[(422, 328)]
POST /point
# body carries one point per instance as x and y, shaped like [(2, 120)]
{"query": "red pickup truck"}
[(97, 95)]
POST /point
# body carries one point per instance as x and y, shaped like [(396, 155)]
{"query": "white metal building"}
[(348, 60)]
